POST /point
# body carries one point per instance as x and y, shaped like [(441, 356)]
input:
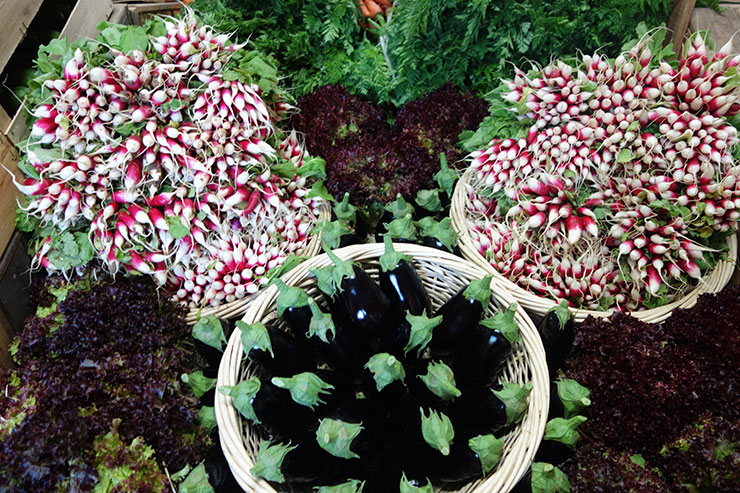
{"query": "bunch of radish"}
[(167, 164), (624, 180)]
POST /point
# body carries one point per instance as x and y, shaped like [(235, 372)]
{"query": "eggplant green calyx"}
[(351, 486), (199, 383), (321, 324), (391, 258), (446, 176), (504, 322), (547, 478), (304, 388), (405, 486), (514, 398), (441, 230), (479, 289), (336, 436), (429, 200), (564, 430), (562, 312), (243, 395), (209, 331), (255, 336), (346, 211), (421, 331), (574, 396), (402, 227), (489, 450), (386, 369), (440, 381), (325, 279), (437, 430), (343, 269), (332, 232), (289, 297), (399, 207), (269, 461)]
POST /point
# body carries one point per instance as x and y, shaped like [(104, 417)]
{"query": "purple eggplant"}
[(210, 334), (293, 307), (298, 463), (482, 355), (320, 390), (460, 316), (559, 442), (433, 384), (397, 462), (354, 430), (382, 380), (401, 284), (489, 410), (277, 352), (469, 459), (344, 354), (557, 333)]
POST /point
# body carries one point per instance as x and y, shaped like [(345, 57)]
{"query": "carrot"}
[(384, 4), (373, 7), (363, 8)]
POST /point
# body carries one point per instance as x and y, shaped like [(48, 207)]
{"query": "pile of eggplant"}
[(367, 389)]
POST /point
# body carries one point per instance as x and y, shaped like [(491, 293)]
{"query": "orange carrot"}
[(384, 4), (373, 7), (363, 8)]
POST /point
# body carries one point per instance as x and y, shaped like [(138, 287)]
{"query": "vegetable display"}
[(95, 400), (622, 191), (664, 410), (397, 419), (154, 150)]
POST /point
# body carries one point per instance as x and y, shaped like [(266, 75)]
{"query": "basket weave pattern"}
[(713, 282), (443, 275), (236, 308)]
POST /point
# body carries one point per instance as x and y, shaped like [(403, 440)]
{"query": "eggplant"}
[(397, 462), (433, 384), (560, 440), (364, 306), (489, 410), (211, 334), (299, 463), (275, 351), (339, 486), (401, 284), (481, 356), (344, 354), (293, 307), (218, 471), (320, 390), (382, 380), (354, 430), (404, 422), (460, 315), (558, 333), (426, 430), (469, 459), (264, 403)]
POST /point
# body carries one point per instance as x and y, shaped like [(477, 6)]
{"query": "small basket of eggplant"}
[(382, 368)]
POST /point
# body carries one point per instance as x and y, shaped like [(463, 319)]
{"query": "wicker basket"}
[(238, 307), (713, 282), (443, 274)]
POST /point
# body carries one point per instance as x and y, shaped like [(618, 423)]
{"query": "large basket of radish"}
[(412, 369), (621, 190), (158, 150)]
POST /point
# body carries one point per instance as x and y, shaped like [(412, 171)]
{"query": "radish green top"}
[(440, 381), (504, 322), (514, 398), (255, 336), (479, 289), (573, 395), (386, 369), (336, 436), (243, 394), (304, 388), (489, 450), (269, 461), (437, 431), (421, 331)]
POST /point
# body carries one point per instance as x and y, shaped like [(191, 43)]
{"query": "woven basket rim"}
[(522, 448), (713, 282), (239, 307)]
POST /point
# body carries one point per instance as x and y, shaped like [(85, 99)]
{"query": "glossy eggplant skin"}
[(460, 316), (339, 471), (211, 354), (394, 462), (462, 464), (387, 398), (405, 291), (344, 354), (557, 340), (363, 307), (279, 413), (553, 452), (291, 355), (477, 410), (342, 391), (298, 319), (373, 436), (480, 358), (405, 422), (418, 389)]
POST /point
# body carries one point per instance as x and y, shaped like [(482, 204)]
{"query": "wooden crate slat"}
[(15, 17), (8, 192), (678, 21)]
